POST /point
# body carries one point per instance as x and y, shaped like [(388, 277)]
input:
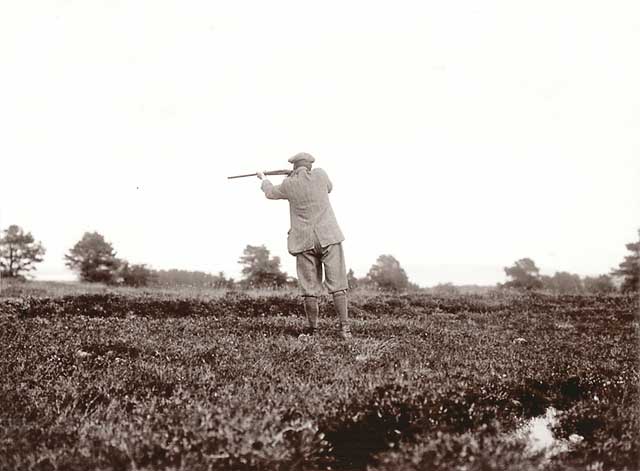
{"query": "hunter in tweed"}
[(315, 238)]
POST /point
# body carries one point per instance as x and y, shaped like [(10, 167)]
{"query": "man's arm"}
[(271, 191), (326, 177)]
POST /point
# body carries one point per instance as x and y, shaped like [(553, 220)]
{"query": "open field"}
[(96, 378)]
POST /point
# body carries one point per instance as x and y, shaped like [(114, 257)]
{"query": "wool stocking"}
[(311, 309), (340, 304)]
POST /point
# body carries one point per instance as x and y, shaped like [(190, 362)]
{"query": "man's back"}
[(311, 214)]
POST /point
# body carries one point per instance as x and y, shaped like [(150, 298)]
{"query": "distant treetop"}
[(19, 252)]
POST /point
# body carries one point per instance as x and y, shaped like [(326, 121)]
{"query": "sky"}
[(460, 136)]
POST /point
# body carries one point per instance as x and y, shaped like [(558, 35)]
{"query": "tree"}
[(567, 283), (445, 289), (547, 282), (352, 281), (259, 269), (629, 268), (19, 252), (136, 275), (387, 274), (598, 285), (524, 275), (94, 259), (562, 282), (223, 281)]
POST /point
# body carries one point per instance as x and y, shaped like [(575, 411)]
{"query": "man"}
[(315, 238)]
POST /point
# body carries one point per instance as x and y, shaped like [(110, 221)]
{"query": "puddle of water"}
[(538, 436)]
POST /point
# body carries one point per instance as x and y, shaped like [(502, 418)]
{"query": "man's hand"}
[(260, 175)]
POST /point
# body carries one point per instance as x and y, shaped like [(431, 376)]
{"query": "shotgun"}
[(271, 172)]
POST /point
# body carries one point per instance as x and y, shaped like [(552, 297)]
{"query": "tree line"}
[(524, 275), (94, 259)]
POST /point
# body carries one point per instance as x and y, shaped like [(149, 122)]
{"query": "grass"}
[(103, 378)]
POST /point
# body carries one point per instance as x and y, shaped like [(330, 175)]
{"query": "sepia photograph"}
[(305, 236)]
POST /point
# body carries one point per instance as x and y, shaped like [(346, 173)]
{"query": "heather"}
[(127, 379)]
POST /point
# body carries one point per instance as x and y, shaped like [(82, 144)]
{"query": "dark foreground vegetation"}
[(123, 380)]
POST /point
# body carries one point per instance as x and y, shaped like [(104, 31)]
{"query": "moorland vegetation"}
[(97, 377)]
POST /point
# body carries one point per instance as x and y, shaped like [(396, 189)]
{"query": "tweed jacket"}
[(312, 217)]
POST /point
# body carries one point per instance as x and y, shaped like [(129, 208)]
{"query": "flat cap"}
[(302, 156)]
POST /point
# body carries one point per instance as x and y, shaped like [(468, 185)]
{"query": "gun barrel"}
[(242, 176), (272, 172)]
